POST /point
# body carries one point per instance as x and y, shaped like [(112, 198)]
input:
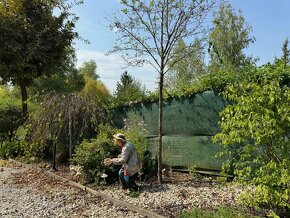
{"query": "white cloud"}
[(110, 68)]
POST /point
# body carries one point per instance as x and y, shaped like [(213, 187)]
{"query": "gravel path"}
[(26, 193), (170, 199)]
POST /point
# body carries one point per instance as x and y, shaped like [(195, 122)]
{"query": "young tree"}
[(148, 32), (72, 116), (33, 40), (229, 36), (129, 89)]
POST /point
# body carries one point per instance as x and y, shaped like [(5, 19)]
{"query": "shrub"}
[(149, 165), (10, 149), (255, 132), (90, 155)]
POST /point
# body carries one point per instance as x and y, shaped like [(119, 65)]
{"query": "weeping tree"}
[(149, 30), (59, 116)]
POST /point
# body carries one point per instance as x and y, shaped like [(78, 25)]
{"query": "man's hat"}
[(120, 136)]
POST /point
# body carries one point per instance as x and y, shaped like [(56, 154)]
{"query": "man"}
[(129, 161)]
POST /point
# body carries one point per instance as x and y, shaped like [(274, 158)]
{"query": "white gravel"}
[(171, 199), (41, 199), (25, 193)]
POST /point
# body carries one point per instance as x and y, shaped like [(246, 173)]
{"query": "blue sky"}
[(269, 19)]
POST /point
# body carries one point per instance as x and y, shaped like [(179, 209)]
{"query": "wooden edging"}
[(115, 201)]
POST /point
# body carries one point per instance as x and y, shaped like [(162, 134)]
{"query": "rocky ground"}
[(26, 193)]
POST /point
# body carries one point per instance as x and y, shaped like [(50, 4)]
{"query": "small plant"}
[(149, 165), (10, 149), (192, 171), (90, 155), (134, 194), (136, 133), (218, 213)]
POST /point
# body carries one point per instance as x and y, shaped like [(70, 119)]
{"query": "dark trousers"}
[(128, 182)]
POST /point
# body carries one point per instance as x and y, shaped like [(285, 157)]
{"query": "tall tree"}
[(94, 90), (89, 70), (67, 80), (187, 69), (148, 32), (129, 89), (229, 37), (33, 40)]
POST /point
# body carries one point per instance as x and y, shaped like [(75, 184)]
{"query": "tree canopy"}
[(129, 89), (33, 41), (229, 37)]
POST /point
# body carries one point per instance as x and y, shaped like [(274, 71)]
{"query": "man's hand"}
[(108, 161)]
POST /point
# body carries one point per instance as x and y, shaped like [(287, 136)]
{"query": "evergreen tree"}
[(129, 89), (286, 53)]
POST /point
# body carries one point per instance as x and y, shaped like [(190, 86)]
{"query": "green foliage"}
[(184, 71), (95, 91), (67, 79), (228, 38), (72, 119), (34, 41), (218, 213), (286, 53), (11, 116), (7, 99), (271, 188), (128, 90), (89, 70), (10, 150), (149, 165), (134, 194), (193, 172), (255, 132), (90, 156), (10, 119)]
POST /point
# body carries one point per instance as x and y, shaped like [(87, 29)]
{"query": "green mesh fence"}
[(188, 125), (189, 151)]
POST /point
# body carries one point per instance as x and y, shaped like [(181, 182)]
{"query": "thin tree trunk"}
[(160, 124), (24, 95), (70, 136), (53, 167)]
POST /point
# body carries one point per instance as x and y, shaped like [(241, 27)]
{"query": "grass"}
[(219, 213)]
